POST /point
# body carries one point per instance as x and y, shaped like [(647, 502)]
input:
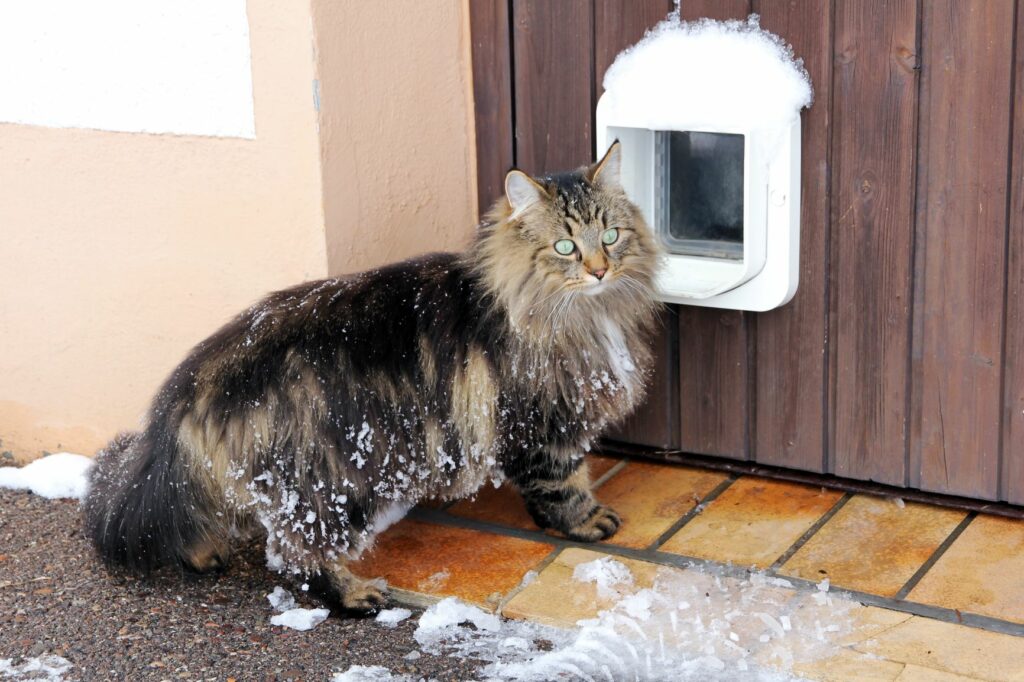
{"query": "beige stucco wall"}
[(120, 251), (396, 129)]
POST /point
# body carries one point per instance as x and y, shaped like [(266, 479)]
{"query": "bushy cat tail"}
[(143, 511)]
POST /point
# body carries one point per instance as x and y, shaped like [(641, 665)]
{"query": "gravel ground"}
[(56, 598)]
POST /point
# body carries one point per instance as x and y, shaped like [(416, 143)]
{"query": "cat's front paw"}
[(601, 523)]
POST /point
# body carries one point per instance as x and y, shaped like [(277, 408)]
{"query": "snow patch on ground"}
[(721, 73), (392, 617), (281, 599), (48, 668), (691, 624), (300, 619), (53, 476), (369, 673)]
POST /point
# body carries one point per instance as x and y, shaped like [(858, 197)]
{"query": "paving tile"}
[(505, 505), (915, 673), (873, 545), (651, 497), (444, 561), (846, 665), (753, 522), (950, 648), (980, 572), (554, 598)]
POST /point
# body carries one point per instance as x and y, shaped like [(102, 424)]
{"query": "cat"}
[(324, 412)]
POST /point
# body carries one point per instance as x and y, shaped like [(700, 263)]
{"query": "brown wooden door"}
[(901, 358)]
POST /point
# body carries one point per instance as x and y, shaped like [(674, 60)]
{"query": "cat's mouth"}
[(595, 287)]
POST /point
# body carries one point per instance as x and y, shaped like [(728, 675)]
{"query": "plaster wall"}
[(396, 129), (120, 251)]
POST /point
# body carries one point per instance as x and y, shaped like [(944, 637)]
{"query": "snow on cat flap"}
[(722, 73)]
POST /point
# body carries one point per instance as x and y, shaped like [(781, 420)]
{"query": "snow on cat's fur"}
[(324, 411)]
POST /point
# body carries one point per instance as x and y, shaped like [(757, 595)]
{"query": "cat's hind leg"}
[(557, 494), (339, 589)]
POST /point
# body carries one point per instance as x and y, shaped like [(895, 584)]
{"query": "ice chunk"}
[(52, 476), (300, 619), (48, 668), (392, 617), (368, 673), (451, 612), (610, 576), (723, 74), (281, 599)]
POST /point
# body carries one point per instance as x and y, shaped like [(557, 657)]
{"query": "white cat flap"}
[(708, 116)]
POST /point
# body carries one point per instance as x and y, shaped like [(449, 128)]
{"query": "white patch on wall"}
[(153, 66)]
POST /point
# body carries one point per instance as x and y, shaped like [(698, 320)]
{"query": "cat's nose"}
[(599, 273)]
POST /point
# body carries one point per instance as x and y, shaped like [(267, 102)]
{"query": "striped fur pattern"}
[(323, 413)]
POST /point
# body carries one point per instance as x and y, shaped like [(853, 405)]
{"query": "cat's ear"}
[(607, 172), (522, 191)]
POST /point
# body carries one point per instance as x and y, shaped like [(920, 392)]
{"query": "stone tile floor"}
[(937, 594)]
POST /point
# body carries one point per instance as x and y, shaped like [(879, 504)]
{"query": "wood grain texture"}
[(617, 25), (1012, 478), (962, 189), (714, 9), (656, 422), (789, 429), (492, 97), (713, 382), (873, 140), (715, 391), (554, 72)]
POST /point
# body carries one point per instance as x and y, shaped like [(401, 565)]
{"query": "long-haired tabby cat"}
[(325, 411)]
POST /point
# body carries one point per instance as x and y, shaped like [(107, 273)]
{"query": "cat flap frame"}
[(767, 273)]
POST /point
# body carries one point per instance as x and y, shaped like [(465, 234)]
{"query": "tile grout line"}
[(810, 532), (603, 478), (936, 555), (539, 568), (939, 613), (689, 516)]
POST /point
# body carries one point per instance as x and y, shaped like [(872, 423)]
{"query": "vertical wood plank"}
[(714, 9), (789, 428), (619, 24), (873, 140), (1013, 406), (492, 97), (554, 71), (965, 123), (713, 386), (656, 422), (714, 368)]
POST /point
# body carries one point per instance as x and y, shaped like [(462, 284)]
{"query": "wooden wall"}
[(901, 358)]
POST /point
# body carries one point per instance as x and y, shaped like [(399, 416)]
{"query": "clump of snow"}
[(610, 576), (720, 73), (53, 476), (48, 668), (369, 673), (281, 599), (689, 625), (437, 621), (392, 617), (300, 619)]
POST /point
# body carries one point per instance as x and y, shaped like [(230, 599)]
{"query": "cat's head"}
[(568, 241)]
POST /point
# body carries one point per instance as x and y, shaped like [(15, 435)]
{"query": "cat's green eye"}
[(610, 236), (565, 246)]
